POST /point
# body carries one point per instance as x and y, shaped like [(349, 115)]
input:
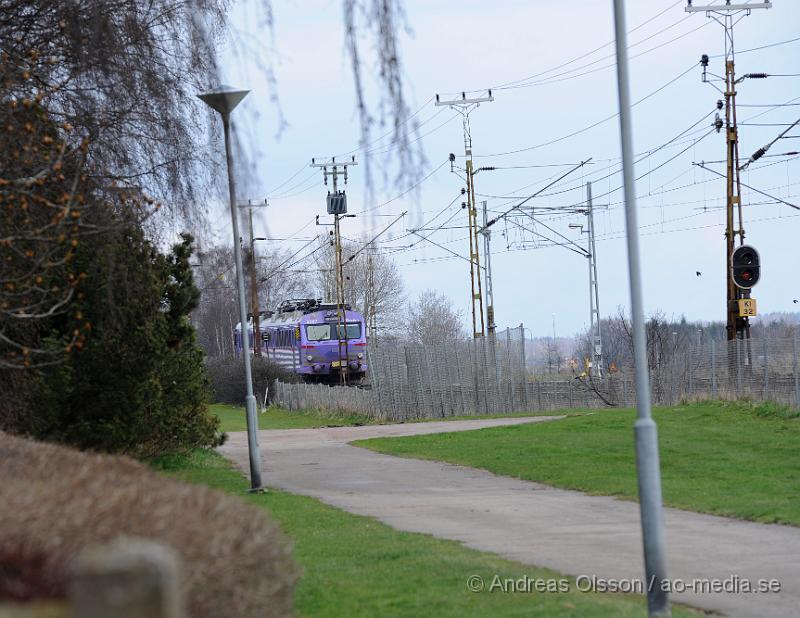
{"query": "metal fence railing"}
[(409, 381), (489, 376)]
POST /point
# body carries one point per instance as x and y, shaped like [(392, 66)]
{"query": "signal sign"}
[(745, 267), (747, 307)]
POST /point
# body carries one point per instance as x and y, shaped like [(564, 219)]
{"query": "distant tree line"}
[(667, 340)]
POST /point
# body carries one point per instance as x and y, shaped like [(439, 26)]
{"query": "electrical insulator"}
[(719, 104), (704, 60), (718, 123)]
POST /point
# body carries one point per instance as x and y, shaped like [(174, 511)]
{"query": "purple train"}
[(305, 337)]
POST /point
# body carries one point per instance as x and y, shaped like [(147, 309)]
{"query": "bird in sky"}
[(698, 273), (795, 301)]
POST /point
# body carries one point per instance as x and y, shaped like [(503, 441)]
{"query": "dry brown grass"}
[(55, 501)]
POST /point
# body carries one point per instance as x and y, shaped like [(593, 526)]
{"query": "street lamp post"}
[(648, 468), (224, 100)]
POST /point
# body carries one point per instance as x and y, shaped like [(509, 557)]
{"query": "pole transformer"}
[(465, 107)]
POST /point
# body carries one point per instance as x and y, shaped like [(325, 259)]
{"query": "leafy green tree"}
[(137, 385)]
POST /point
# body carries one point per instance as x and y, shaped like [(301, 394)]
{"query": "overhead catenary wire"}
[(494, 220), (378, 235), (578, 58), (660, 178), (795, 206)]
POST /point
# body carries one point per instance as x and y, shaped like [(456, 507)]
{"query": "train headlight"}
[(359, 355), (309, 358)]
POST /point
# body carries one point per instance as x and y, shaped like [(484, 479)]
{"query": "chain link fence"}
[(490, 376)]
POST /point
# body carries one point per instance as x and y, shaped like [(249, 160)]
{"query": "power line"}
[(591, 126), (552, 80), (375, 141), (573, 60), (408, 190)]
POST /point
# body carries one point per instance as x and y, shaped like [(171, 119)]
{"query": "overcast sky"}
[(470, 45)]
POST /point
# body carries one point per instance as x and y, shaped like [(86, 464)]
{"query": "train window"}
[(353, 331), (318, 332), (326, 332)]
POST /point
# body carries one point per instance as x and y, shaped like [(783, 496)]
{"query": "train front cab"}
[(320, 336)]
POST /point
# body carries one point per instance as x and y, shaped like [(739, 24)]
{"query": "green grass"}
[(732, 459), (355, 566), (232, 418)]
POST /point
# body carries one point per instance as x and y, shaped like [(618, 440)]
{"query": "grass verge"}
[(733, 459), (232, 418), (356, 566)]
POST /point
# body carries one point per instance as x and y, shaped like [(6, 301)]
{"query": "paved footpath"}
[(567, 531)]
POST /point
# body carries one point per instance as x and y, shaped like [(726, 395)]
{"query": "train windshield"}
[(326, 332), (353, 330)]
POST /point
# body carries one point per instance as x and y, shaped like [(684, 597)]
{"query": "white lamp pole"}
[(224, 99)]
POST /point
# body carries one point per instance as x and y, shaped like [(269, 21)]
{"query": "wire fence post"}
[(765, 391), (795, 371), (523, 370), (738, 367), (713, 370), (672, 381), (624, 392)]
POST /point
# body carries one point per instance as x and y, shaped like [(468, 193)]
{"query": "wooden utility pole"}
[(337, 206), (254, 304), (255, 308), (370, 296)]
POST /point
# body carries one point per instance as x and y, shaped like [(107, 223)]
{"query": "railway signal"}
[(745, 267)]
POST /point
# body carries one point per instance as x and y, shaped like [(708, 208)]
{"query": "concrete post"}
[(129, 578)]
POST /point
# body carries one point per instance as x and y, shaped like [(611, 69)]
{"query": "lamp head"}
[(223, 99)]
